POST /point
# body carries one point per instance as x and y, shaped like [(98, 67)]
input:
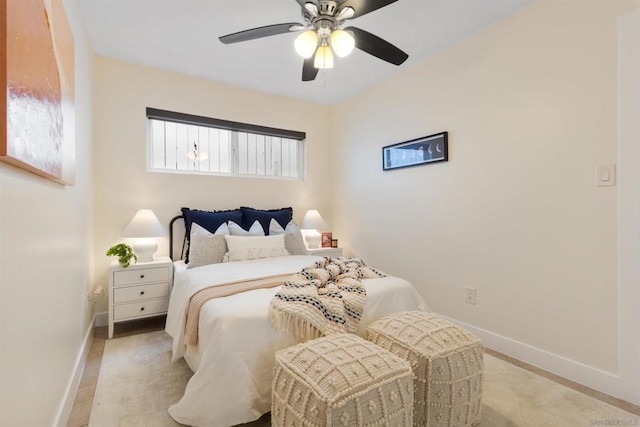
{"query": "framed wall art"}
[(326, 239), (419, 151), (37, 123)]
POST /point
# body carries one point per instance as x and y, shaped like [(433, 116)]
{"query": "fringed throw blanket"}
[(325, 298)]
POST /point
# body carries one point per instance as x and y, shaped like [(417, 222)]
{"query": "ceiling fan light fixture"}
[(320, 36), (324, 57), (194, 155), (306, 43), (342, 42)]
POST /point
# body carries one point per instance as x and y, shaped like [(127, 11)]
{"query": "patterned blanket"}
[(323, 299)]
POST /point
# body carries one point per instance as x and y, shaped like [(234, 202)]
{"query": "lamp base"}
[(312, 238), (144, 249)]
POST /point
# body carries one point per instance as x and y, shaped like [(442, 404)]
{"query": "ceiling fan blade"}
[(309, 72), (377, 47), (256, 33), (362, 7)]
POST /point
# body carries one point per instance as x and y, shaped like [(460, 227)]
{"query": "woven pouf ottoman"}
[(341, 380), (447, 363)]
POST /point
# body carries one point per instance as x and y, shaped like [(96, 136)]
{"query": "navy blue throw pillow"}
[(208, 220), (282, 216)]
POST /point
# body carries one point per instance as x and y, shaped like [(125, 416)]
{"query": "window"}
[(184, 143)]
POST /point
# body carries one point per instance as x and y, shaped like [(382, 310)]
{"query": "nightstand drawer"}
[(140, 275), (141, 292), (142, 308)]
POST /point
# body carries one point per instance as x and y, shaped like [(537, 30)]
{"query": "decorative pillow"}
[(243, 248), (255, 230), (293, 240), (210, 221), (207, 248), (282, 216)]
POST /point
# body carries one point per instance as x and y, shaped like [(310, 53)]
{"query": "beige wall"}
[(45, 268), (629, 204), (531, 108), (122, 184)]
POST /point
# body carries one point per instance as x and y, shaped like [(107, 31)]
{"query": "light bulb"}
[(342, 43), (306, 44), (194, 155), (324, 57)]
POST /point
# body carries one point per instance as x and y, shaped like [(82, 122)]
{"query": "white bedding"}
[(233, 362)]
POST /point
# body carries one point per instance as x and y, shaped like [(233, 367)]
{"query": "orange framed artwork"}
[(37, 70)]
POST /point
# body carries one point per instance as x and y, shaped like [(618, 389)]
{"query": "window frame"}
[(235, 128)]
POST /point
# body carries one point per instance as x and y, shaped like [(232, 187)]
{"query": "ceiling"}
[(182, 36)]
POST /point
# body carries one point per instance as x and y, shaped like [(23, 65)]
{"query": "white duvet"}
[(233, 362)]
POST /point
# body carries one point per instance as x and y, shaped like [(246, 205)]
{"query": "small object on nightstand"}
[(141, 290), (124, 253), (326, 239)]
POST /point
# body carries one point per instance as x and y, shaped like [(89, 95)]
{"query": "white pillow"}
[(293, 240), (206, 247), (223, 229), (255, 230), (243, 248), (276, 228)]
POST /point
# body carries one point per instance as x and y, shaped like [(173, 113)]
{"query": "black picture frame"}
[(420, 151)]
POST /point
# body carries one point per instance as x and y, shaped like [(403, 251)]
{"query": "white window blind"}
[(183, 143)]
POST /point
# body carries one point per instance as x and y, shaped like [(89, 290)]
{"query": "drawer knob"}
[(141, 308), (142, 276), (141, 292)]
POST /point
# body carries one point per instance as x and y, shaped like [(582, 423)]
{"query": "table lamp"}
[(311, 223), (144, 227)]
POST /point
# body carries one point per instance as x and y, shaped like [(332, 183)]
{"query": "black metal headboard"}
[(184, 239)]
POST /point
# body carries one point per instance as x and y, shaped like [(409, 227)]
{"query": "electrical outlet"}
[(96, 295), (471, 296)]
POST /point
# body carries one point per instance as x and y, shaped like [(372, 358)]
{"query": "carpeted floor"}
[(137, 384)]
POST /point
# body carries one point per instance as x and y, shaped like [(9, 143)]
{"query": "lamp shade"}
[(324, 57), (144, 224), (342, 43), (306, 43), (313, 221)]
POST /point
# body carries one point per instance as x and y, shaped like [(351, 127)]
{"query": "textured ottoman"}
[(447, 363), (341, 380)]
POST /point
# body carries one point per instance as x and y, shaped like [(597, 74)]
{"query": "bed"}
[(234, 356)]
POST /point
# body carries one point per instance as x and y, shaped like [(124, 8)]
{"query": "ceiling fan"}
[(323, 35)]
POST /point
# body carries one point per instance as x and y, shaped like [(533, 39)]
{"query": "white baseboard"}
[(62, 417), (589, 376), (101, 319)]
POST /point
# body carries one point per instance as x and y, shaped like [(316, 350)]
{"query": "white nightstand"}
[(334, 252), (140, 290)]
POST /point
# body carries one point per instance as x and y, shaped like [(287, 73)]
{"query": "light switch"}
[(606, 175)]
